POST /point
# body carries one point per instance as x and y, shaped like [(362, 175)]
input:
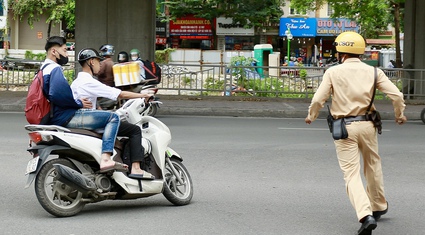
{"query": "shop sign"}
[(190, 26), (330, 27), (226, 26), (300, 27), (161, 28), (160, 41)]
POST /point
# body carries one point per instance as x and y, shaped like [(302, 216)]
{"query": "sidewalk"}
[(14, 101)]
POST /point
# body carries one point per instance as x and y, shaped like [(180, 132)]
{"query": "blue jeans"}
[(98, 120)]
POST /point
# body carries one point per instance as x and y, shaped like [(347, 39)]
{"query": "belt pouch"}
[(339, 130)]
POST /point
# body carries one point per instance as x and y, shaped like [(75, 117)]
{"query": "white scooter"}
[(70, 179), (151, 109)]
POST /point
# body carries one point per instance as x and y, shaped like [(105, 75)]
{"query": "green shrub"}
[(163, 56), (69, 75), (240, 73), (258, 86), (186, 80), (29, 55), (214, 84)]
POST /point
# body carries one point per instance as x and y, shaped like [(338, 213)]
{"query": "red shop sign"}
[(161, 41), (190, 26)]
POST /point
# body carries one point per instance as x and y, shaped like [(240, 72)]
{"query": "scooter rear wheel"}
[(56, 197), (178, 193)]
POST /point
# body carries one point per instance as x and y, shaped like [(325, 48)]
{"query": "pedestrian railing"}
[(222, 80)]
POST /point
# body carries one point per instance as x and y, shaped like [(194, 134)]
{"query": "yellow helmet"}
[(350, 42)]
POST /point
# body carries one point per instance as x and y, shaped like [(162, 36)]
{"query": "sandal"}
[(116, 167), (144, 176)]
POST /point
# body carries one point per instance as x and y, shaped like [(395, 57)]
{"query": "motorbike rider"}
[(122, 57), (350, 84), (76, 113), (106, 75), (85, 85)]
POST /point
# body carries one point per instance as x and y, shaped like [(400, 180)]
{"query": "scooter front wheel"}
[(178, 192), (54, 196), (423, 116), (153, 109)]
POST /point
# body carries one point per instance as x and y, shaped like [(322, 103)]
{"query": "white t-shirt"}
[(85, 86)]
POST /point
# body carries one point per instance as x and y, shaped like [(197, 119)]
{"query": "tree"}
[(373, 16), (56, 11), (249, 13)]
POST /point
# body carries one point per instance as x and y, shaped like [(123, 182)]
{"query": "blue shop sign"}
[(330, 27), (300, 27)]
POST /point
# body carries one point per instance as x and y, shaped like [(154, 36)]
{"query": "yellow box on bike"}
[(127, 73)]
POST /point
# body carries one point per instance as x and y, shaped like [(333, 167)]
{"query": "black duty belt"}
[(351, 119)]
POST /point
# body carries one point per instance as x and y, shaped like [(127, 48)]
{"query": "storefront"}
[(311, 39), (298, 36), (326, 32), (3, 35), (191, 32), (233, 36), (161, 35)]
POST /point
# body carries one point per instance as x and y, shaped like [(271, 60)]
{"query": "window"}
[(1, 7), (296, 12), (330, 9)]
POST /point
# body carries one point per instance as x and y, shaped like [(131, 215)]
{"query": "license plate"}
[(32, 165)]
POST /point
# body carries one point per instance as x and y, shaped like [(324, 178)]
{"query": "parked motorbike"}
[(71, 179)]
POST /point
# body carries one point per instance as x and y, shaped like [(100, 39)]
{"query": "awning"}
[(380, 41)]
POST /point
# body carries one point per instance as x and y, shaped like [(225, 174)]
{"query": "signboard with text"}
[(330, 27), (226, 26), (161, 28), (299, 27), (190, 26)]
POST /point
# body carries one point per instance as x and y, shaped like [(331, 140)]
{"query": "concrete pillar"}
[(414, 46), (126, 24)]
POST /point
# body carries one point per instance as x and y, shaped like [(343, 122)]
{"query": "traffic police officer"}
[(351, 84)]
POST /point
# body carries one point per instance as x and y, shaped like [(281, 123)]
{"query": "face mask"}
[(134, 58), (62, 60)]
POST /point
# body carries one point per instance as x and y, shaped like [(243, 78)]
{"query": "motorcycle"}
[(65, 183), (154, 103)]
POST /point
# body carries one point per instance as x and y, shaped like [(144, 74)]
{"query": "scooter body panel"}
[(44, 152)]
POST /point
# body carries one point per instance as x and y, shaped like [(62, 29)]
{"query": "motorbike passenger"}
[(76, 113), (85, 85), (135, 56)]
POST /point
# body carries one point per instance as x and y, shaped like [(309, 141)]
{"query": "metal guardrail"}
[(220, 80)]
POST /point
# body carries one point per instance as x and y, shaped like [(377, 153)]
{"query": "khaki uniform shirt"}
[(350, 85)]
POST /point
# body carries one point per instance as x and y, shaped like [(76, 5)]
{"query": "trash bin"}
[(261, 55)]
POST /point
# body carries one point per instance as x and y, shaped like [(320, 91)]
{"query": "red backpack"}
[(37, 108)]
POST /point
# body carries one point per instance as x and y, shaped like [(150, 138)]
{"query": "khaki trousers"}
[(362, 140)]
